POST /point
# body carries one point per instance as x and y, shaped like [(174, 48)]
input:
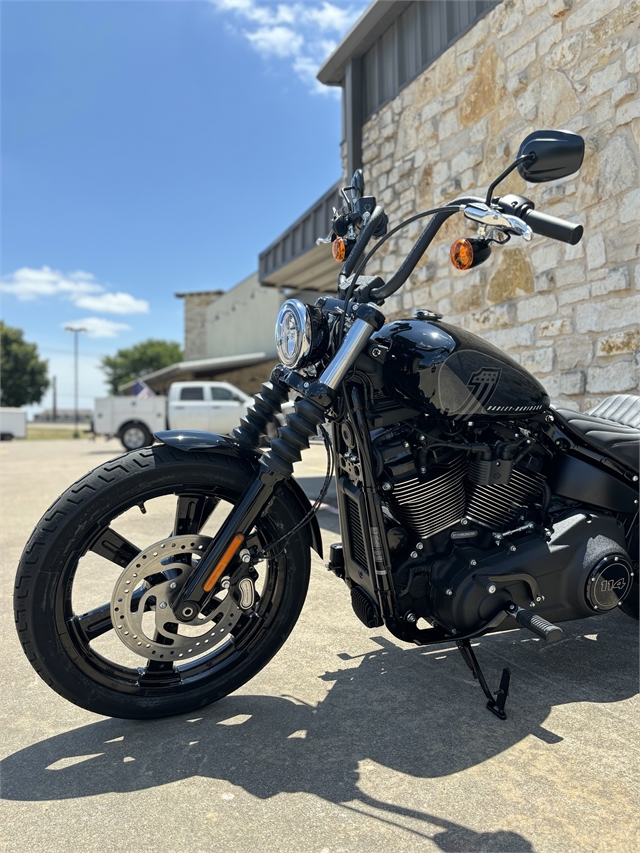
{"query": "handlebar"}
[(540, 223), (361, 243), (551, 226), (419, 248)]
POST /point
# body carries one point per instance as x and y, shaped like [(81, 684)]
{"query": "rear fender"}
[(210, 442)]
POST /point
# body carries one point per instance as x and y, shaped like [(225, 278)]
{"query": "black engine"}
[(471, 525)]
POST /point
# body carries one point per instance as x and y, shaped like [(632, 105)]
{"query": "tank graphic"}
[(448, 371)]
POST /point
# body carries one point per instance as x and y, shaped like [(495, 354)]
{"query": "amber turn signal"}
[(469, 253), (338, 249), (462, 254)]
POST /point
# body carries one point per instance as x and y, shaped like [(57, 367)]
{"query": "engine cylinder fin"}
[(496, 506), (429, 507)]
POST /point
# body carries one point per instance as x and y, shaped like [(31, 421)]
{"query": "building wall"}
[(195, 322), (242, 320), (569, 314), (248, 379)]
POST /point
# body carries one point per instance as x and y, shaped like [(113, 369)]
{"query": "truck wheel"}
[(135, 435)]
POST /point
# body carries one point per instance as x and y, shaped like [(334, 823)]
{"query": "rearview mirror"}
[(558, 153), (357, 185)]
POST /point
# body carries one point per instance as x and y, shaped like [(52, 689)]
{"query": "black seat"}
[(613, 426)]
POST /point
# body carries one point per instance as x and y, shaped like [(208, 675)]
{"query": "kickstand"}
[(496, 706)]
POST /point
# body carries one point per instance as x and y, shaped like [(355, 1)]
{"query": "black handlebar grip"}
[(545, 630), (551, 226)]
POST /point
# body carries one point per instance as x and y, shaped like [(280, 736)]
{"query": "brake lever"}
[(490, 218)]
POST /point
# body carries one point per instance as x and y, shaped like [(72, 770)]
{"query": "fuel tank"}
[(445, 370)]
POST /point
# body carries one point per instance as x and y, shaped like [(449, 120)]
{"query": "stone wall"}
[(195, 322), (569, 314)]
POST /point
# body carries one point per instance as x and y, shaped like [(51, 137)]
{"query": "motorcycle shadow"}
[(416, 711)]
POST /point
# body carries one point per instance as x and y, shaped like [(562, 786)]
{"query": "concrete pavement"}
[(348, 741)]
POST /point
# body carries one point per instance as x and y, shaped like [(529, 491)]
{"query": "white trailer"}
[(13, 423), (134, 421)]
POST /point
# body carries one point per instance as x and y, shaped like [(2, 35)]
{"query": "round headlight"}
[(293, 332)]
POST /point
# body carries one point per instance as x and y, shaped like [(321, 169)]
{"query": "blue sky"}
[(153, 147)]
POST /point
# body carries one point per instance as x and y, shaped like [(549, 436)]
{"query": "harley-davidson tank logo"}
[(482, 385)]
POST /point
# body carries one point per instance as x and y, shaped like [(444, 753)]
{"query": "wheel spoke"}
[(94, 623), (98, 621), (192, 512), (155, 665), (115, 547)]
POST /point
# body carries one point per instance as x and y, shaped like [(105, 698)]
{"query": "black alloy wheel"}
[(80, 573)]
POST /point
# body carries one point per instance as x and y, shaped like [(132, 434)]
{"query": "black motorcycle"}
[(467, 505)]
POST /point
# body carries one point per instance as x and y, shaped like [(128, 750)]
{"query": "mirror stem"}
[(506, 172)]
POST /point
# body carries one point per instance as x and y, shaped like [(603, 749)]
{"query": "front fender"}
[(211, 442)]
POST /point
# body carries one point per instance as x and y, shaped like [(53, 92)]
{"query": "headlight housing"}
[(293, 333)]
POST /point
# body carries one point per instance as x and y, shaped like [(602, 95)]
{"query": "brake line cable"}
[(313, 509)]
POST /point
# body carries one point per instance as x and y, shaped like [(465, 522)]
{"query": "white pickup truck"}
[(212, 406)]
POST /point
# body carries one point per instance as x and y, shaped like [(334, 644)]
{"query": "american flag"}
[(142, 391)]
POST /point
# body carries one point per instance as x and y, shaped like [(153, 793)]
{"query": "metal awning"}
[(201, 368), (293, 260), (373, 23)]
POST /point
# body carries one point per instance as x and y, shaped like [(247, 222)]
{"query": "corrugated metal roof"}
[(174, 372), (366, 30), (294, 260)]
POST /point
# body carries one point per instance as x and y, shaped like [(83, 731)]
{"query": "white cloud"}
[(330, 17), (79, 287), (260, 13), (113, 303), (98, 327), (28, 284), (276, 41), (296, 31)]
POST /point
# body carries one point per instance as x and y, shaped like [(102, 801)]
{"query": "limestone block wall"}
[(195, 322), (569, 314)]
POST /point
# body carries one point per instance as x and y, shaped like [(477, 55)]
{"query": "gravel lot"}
[(348, 742)]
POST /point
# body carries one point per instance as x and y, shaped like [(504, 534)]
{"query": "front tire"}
[(75, 558)]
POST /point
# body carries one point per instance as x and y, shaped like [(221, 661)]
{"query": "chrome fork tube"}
[(353, 344)]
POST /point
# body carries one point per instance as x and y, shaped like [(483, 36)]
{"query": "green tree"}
[(135, 361), (23, 376)]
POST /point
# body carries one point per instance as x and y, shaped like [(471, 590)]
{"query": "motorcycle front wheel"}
[(156, 509)]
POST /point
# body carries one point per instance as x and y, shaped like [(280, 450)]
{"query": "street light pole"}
[(77, 330)]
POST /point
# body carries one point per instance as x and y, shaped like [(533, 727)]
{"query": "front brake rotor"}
[(139, 591)]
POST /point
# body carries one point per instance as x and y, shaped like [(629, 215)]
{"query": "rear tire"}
[(55, 638)]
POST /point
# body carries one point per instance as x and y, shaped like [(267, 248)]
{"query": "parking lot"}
[(347, 741)]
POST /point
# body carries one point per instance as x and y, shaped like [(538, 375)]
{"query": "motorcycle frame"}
[(188, 602), (378, 581)]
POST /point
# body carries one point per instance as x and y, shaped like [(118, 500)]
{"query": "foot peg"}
[(539, 626)]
